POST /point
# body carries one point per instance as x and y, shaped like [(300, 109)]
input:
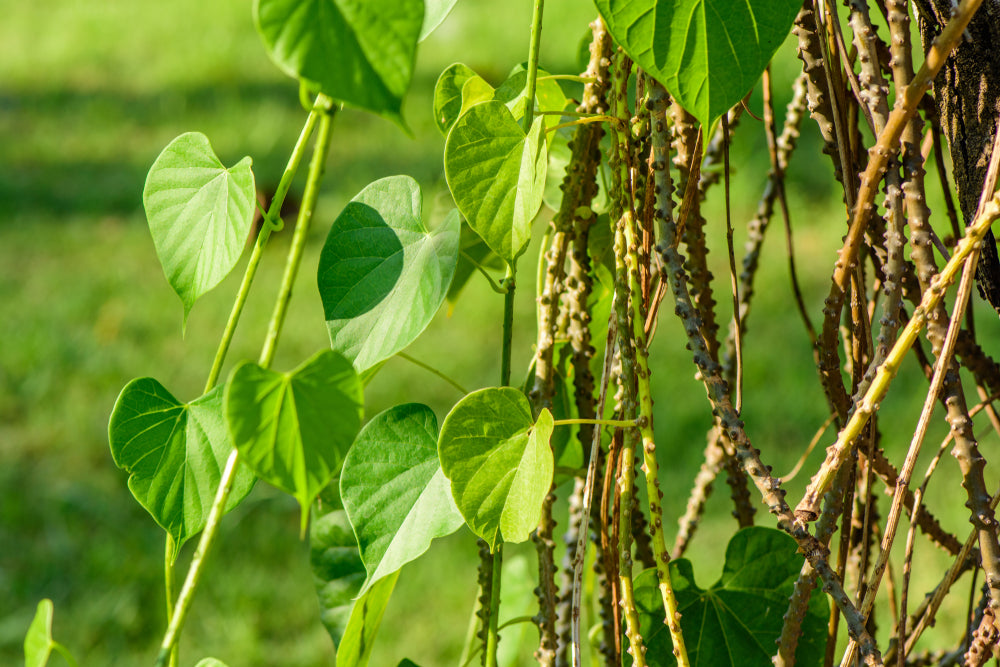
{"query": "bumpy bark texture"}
[(967, 94)]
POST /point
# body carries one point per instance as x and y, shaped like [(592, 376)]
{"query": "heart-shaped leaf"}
[(382, 276), (38, 642), (738, 620), (394, 491), (360, 52), (435, 12), (293, 429), (496, 174), (707, 53), (499, 462), (175, 453), (199, 214)]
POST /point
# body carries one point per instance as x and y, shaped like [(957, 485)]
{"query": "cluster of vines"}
[(629, 232)]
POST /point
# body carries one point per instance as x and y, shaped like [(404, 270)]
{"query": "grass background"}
[(89, 95)]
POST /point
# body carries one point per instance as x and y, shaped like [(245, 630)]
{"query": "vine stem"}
[(269, 226), (838, 452), (316, 167), (651, 465), (273, 212)]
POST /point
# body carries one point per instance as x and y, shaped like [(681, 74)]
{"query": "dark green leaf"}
[(496, 174), (382, 276), (293, 429), (394, 491), (174, 453), (499, 462), (736, 621), (199, 214), (337, 569), (360, 52), (708, 53)]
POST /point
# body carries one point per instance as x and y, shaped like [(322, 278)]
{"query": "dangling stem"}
[(316, 168)]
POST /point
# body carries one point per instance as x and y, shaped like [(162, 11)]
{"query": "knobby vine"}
[(626, 245)]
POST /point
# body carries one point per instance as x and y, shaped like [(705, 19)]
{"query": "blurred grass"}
[(89, 94)]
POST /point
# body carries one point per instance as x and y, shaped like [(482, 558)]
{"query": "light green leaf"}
[(395, 494), (435, 12), (38, 642), (359, 638), (174, 453), (199, 214), (210, 662), (499, 462), (360, 52), (337, 568), (293, 429), (496, 174), (707, 53), (382, 276), (448, 94), (737, 620)]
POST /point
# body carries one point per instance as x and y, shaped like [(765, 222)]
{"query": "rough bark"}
[(967, 94)]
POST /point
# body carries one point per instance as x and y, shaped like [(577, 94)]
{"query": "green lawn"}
[(89, 94)]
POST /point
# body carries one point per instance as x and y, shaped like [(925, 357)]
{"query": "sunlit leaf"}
[(435, 12), (395, 494), (382, 276), (448, 94), (360, 52), (496, 174), (499, 462), (707, 53), (38, 642), (199, 214), (293, 429), (174, 453)]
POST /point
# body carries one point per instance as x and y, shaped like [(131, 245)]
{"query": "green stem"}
[(323, 108), (582, 121), (431, 369), (536, 38), (568, 77), (168, 585), (479, 267), (508, 327), (64, 652), (265, 232), (493, 636), (198, 561), (316, 168)]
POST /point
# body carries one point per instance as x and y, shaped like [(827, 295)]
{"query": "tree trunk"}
[(967, 95)]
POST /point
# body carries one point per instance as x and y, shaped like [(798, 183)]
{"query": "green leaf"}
[(737, 620), (395, 494), (707, 53), (382, 276), (499, 462), (496, 174), (210, 662), (337, 569), (448, 98), (293, 429), (199, 214), (360, 52), (406, 662), (174, 453), (38, 642), (359, 638), (435, 12)]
